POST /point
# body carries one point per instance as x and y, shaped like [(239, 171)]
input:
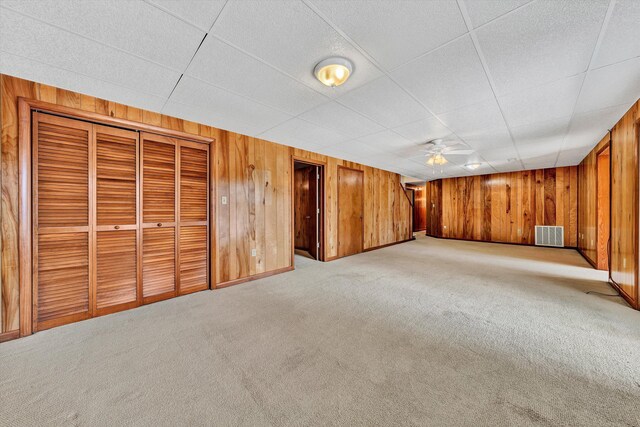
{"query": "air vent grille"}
[(550, 235)]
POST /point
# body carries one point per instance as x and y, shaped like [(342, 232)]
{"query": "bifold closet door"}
[(62, 211), (194, 212), (116, 231), (159, 205)]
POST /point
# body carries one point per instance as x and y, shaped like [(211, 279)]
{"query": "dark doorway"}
[(418, 195), (308, 215), (603, 209)]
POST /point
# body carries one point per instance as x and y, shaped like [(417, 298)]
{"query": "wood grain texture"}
[(158, 262), (603, 209), (350, 211), (419, 207), (158, 183), (504, 207), (193, 259), (304, 186), (116, 267)]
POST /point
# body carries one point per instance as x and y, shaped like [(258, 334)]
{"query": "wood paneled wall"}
[(504, 207), (587, 203), (252, 174)]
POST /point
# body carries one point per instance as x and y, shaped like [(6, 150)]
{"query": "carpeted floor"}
[(430, 332)]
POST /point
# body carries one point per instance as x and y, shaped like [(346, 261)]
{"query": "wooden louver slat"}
[(193, 259), (116, 268), (193, 184)]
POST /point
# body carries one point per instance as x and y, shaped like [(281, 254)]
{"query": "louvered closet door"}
[(193, 224), (62, 211), (159, 246), (116, 228)]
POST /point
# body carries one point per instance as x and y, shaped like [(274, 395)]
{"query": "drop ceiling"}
[(524, 84)]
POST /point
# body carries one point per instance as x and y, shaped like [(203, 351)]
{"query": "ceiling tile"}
[(474, 118), (199, 13), (394, 32), (224, 66), (423, 130), (587, 129), (446, 79), (341, 119), (133, 26), (541, 42), (386, 140), (29, 69), (489, 139), (220, 108), (291, 37), (611, 85), (546, 102), (482, 11), (353, 148), (385, 102), (300, 133), (541, 162), (622, 36), (540, 139)]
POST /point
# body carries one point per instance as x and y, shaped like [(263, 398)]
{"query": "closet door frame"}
[(26, 108)]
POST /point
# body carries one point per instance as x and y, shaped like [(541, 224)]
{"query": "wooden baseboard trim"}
[(634, 304), (252, 278), (499, 243), (389, 244), (10, 335), (589, 260)]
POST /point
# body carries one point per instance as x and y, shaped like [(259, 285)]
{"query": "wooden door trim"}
[(338, 210), (97, 118), (323, 238)]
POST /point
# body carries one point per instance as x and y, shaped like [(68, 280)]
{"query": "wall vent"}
[(550, 235)]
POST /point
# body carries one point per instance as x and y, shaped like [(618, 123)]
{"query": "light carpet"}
[(430, 332)]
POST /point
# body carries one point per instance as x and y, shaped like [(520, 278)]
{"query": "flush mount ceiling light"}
[(334, 71), (472, 166)]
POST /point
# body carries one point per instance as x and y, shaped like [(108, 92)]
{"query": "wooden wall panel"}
[(504, 207), (252, 175)]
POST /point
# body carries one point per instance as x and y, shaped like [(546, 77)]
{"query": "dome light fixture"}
[(333, 71), (437, 159)]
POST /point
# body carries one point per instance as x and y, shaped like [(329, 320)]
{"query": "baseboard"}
[(634, 304), (8, 336), (500, 243), (373, 248), (252, 278)]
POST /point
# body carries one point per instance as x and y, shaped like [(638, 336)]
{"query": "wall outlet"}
[(624, 263), (445, 227), (519, 231), (224, 200), (253, 252), (591, 242)]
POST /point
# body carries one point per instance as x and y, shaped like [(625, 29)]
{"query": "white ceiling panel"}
[(485, 140), (385, 102), (199, 13), (117, 24), (394, 32), (30, 38), (474, 118), (223, 109), (541, 42), (448, 78), (29, 69), (548, 135), (290, 36), (300, 133), (354, 148), (609, 86), (224, 66), (423, 130), (587, 129), (341, 119), (622, 36), (551, 101), (386, 141), (482, 11)]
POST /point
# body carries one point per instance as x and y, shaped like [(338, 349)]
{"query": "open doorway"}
[(308, 209), (603, 209)]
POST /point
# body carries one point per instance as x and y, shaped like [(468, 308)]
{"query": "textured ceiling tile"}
[(483, 11), (474, 118), (546, 102), (386, 140), (227, 67), (200, 13), (611, 85), (335, 116), (223, 109), (385, 102), (587, 129), (394, 32), (541, 42), (133, 26), (291, 37), (448, 78), (300, 133), (622, 37), (30, 38), (423, 130), (540, 139)]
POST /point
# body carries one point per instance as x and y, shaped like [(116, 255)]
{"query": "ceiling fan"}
[(437, 148)]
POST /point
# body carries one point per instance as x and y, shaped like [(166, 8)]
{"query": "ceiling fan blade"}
[(459, 152)]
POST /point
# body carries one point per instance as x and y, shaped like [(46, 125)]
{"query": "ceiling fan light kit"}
[(333, 71)]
